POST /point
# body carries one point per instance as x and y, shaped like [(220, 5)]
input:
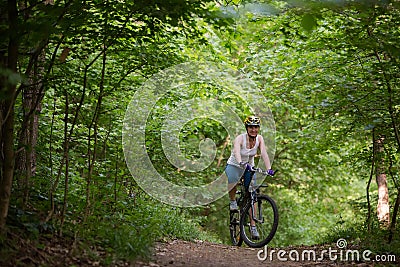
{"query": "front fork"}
[(253, 201)]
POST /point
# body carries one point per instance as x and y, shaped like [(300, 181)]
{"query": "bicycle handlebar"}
[(259, 170)]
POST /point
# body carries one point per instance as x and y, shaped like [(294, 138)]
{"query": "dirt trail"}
[(195, 254)]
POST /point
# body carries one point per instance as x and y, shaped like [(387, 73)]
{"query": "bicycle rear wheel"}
[(266, 221), (234, 228)]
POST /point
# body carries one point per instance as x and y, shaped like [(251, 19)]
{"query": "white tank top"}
[(246, 153)]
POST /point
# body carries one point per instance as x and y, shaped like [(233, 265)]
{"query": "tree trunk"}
[(381, 180), (66, 157), (369, 182), (394, 216), (32, 97), (7, 115)]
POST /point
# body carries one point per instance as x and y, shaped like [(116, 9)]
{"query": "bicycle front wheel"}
[(263, 214), (234, 228)]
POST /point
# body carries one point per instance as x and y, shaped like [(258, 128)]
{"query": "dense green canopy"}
[(325, 73)]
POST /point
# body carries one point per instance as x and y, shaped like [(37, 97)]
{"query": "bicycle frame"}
[(252, 202)]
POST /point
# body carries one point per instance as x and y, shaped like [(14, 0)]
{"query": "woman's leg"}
[(232, 191), (233, 173)]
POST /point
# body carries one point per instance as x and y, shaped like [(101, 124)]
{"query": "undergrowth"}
[(131, 231), (359, 236), (124, 231)]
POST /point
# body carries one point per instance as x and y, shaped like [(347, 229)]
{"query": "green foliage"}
[(131, 229), (325, 85), (358, 235), (191, 132), (329, 73)]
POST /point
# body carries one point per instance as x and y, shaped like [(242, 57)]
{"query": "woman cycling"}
[(245, 147)]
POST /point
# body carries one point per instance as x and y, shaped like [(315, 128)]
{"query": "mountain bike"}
[(254, 208)]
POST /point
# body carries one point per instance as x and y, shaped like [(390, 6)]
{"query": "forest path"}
[(204, 254)]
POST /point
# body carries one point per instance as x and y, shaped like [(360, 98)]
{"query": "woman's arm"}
[(264, 154), (237, 143)]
